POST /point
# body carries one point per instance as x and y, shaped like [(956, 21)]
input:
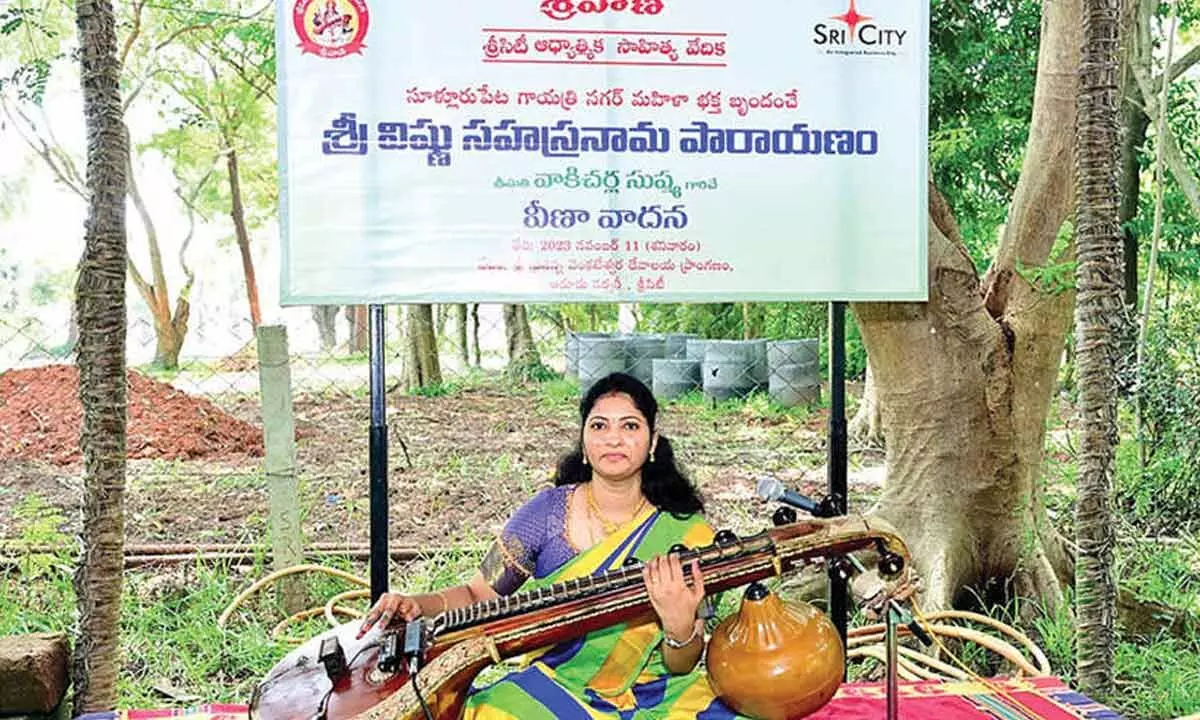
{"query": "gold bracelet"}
[(676, 644)]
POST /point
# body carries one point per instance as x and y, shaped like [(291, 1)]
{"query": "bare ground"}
[(458, 466)]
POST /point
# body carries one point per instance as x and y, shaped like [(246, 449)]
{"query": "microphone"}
[(772, 490)]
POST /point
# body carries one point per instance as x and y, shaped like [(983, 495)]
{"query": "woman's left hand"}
[(672, 598)]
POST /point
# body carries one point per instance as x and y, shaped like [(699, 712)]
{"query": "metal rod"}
[(378, 456), (130, 549), (893, 658), (839, 597)]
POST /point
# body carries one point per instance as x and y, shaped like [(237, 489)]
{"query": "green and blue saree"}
[(615, 672)]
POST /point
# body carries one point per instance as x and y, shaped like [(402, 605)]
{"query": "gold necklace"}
[(609, 526)]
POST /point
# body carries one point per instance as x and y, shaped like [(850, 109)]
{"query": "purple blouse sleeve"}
[(514, 556)]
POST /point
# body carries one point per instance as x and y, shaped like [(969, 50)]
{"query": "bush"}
[(1161, 495)]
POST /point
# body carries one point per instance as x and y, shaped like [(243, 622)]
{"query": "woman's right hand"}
[(389, 607)]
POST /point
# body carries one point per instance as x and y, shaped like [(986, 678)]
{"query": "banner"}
[(602, 150)]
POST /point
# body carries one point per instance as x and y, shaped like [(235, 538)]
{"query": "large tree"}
[(100, 304), (965, 379)]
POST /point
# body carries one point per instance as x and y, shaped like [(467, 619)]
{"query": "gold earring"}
[(651, 455), (585, 460)]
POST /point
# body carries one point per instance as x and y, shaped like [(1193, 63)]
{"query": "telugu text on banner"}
[(595, 150)]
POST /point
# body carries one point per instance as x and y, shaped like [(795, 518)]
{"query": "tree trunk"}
[(325, 316), (360, 329), (464, 350), (100, 304), (72, 332), (1135, 123), (523, 359), (238, 214), (965, 379), (422, 367), (1097, 316), (169, 334), (170, 330), (867, 425), (475, 335)]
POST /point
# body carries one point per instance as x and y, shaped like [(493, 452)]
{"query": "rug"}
[(1024, 699)]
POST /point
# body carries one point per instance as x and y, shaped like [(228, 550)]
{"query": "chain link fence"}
[(194, 431)]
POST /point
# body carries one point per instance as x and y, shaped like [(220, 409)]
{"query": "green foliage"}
[(758, 406), (557, 394), (1162, 495), (856, 351), (529, 370), (1159, 681), (44, 603), (1058, 274), (1179, 251), (1161, 573), (579, 317), (51, 286), (1054, 631), (215, 89), (734, 321), (34, 39), (983, 59), (39, 523), (438, 389)]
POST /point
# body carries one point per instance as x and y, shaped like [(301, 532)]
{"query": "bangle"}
[(676, 644)]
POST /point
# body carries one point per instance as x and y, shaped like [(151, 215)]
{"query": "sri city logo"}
[(855, 29)]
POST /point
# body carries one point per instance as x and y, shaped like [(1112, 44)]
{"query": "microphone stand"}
[(893, 614), (893, 657)]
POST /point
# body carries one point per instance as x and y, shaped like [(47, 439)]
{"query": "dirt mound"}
[(40, 417)]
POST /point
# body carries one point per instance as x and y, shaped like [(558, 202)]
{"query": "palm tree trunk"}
[(100, 307), (1099, 303)]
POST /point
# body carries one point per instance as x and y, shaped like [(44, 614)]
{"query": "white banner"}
[(603, 150)]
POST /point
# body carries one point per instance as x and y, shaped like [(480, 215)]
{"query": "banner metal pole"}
[(378, 452), (839, 601)]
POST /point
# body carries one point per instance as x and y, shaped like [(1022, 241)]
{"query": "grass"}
[(169, 628), (169, 633), (757, 404), (1169, 574), (1153, 681), (170, 638)]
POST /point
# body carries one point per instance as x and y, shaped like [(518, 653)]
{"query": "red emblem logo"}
[(852, 19), (331, 28)]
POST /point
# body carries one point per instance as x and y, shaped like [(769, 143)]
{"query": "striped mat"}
[(999, 699)]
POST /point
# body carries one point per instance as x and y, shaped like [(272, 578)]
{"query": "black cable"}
[(416, 689), (323, 707)]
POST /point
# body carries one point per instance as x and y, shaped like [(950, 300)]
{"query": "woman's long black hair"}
[(663, 483)]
